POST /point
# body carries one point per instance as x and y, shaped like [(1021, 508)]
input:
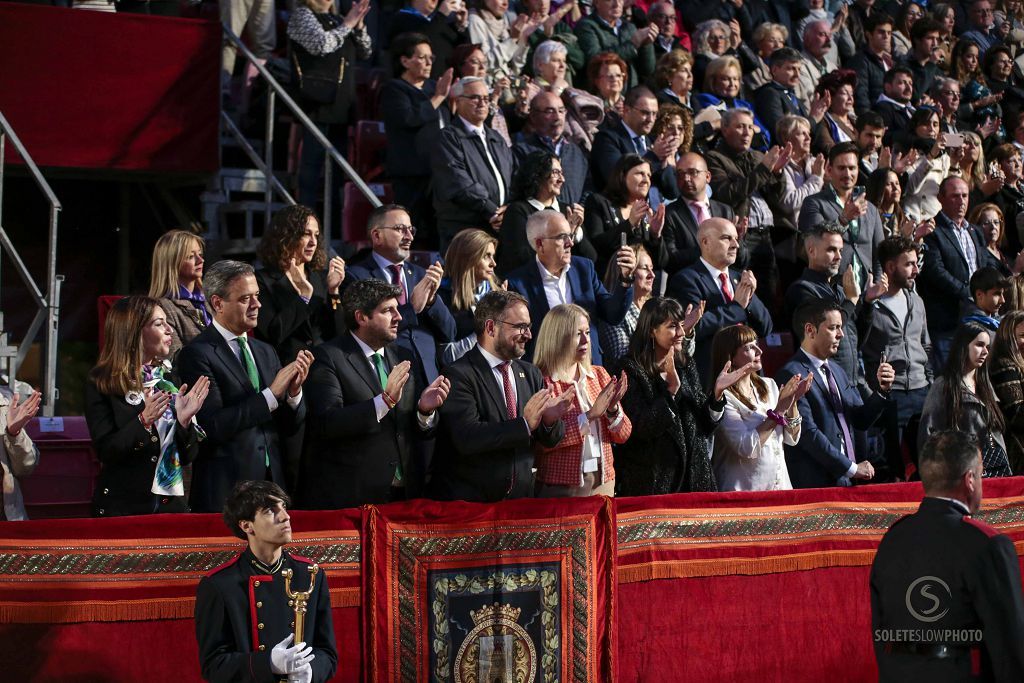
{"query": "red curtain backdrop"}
[(92, 90), (709, 587)]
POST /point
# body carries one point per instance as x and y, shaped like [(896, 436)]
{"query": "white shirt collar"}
[(815, 361), (384, 263), (535, 203), (546, 274), (228, 334), (491, 359), (885, 98), (475, 130), (633, 135), (367, 351), (716, 273)]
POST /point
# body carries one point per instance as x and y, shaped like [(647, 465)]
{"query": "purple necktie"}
[(396, 279), (837, 405)]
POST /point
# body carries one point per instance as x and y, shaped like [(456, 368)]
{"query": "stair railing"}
[(48, 305), (266, 164)]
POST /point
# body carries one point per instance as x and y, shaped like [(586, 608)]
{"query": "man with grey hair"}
[(547, 126), (945, 92), (942, 573), (253, 405), (557, 277), (472, 166), (820, 57)]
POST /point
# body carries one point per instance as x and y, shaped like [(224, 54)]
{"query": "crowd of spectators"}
[(634, 201)]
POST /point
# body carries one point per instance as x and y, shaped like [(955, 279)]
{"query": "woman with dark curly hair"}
[(300, 301), (535, 186), (677, 121), (623, 209)]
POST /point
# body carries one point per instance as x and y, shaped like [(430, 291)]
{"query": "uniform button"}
[(291, 603), (153, 459), (259, 626), (293, 624), (262, 648), (259, 604), (102, 511), (106, 491), (153, 439), (256, 584)]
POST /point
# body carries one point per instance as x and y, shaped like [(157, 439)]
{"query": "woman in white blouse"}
[(758, 419)]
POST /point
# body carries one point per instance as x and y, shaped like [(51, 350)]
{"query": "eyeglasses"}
[(646, 113), (564, 238), (521, 328), (476, 62), (994, 223), (475, 99), (690, 172), (558, 173), (404, 229), (952, 94)]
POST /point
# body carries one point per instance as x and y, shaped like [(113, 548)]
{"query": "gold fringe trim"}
[(686, 569), (71, 612)]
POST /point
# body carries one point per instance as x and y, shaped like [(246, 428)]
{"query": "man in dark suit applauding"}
[(683, 218), (253, 402), (497, 409), (425, 321), (832, 408), (557, 277), (728, 294), (364, 416)]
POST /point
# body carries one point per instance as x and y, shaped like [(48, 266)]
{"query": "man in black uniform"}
[(234, 646), (945, 588)]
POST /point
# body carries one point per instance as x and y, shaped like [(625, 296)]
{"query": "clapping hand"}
[(692, 317), (18, 414), (189, 401), (820, 105), (727, 377), (335, 274), (851, 287), (296, 274), (788, 394), (874, 289), (657, 222), (433, 396), (156, 403), (608, 399), (671, 373), (423, 292), (303, 361), (746, 288), (397, 379), (575, 215), (355, 16)]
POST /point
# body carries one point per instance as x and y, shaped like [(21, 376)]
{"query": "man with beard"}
[(820, 280), (832, 409), (425, 321), (895, 331), (242, 613), (684, 218), (497, 409), (894, 104), (364, 417)]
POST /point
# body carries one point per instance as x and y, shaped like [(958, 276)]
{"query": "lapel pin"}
[(522, 376)]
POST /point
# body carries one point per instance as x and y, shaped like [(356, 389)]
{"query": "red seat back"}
[(356, 210)]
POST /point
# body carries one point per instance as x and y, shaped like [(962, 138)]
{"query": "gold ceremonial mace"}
[(299, 599)]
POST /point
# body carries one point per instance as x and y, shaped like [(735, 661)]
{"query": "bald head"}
[(547, 115), (718, 242)]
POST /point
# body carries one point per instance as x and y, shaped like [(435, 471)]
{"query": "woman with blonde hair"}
[(768, 38), (989, 217), (722, 91), (581, 463), (176, 280), (1007, 375), (758, 419), (300, 300), (469, 275), (142, 425)]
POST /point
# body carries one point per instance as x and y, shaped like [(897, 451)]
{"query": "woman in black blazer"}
[(408, 104), (300, 303), (142, 425)]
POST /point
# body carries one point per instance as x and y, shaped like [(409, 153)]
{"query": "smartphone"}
[(953, 139), (857, 193), (623, 240)]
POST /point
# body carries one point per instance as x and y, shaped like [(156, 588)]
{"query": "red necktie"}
[(510, 395), (700, 212), (726, 294), (396, 278)]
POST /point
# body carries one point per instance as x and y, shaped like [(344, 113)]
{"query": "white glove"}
[(286, 658), (303, 675)]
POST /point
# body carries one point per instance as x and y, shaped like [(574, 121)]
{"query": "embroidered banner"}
[(519, 591)]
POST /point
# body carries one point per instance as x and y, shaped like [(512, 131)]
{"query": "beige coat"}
[(18, 457)]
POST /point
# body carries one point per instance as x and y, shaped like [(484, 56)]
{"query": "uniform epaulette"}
[(300, 558), (986, 529), (224, 566)]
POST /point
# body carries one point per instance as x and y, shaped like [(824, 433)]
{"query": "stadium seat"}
[(356, 209), (368, 144)]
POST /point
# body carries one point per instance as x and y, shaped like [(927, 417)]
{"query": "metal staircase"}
[(48, 303)]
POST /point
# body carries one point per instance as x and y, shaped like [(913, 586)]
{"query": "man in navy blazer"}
[(254, 404), (826, 454), (727, 293), (557, 277), (629, 134), (426, 321), (681, 224), (472, 165), (944, 282)]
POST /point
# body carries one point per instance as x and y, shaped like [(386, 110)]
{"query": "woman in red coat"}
[(581, 463)]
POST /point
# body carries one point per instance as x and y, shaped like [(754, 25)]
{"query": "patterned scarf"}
[(198, 300), (167, 480)]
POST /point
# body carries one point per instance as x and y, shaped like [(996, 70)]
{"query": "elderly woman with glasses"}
[(989, 218), (552, 72), (607, 73)]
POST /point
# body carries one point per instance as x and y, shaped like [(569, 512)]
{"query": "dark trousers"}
[(762, 262)]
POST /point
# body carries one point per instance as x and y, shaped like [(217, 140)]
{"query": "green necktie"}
[(382, 372), (254, 378), (248, 363)]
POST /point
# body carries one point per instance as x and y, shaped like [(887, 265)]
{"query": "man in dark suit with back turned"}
[(728, 294), (364, 416), (941, 570), (253, 402), (683, 218), (832, 409), (497, 409), (556, 277), (426, 322)]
